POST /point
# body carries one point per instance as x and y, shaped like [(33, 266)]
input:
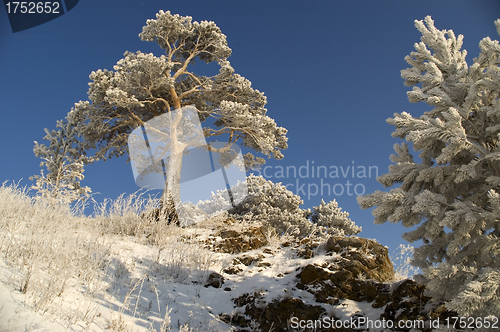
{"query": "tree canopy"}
[(143, 86)]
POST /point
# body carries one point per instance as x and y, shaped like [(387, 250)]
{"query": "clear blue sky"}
[(330, 71)]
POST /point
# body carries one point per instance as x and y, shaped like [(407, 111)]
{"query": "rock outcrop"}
[(332, 271)]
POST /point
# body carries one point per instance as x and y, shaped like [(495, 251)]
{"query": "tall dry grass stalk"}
[(401, 258)]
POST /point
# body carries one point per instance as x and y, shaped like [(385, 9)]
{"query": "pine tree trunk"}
[(171, 198)]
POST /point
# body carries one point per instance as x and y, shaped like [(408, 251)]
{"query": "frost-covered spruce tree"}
[(451, 197), (64, 164), (143, 86)]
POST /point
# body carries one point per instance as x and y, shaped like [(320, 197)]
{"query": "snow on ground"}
[(141, 286), (76, 273)]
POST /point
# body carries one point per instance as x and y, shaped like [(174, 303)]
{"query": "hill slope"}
[(120, 271)]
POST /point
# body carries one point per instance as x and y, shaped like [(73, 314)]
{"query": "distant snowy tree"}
[(276, 206), (64, 165), (331, 219), (143, 86), (450, 197)]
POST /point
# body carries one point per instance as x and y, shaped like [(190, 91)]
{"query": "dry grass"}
[(46, 245), (52, 251)]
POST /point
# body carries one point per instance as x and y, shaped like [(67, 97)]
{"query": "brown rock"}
[(338, 243), (380, 267), (356, 268), (234, 242), (235, 320), (381, 300), (361, 290), (312, 274), (215, 280), (339, 277), (228, 233), (248, 260), (232, 270), (276, 315), (245, 299)]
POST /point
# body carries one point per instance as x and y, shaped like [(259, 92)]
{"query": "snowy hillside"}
[(119, 271)]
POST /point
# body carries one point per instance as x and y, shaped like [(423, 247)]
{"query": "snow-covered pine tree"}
[(64, 165), (276, 206), (144, 86), (450, 197), (330, 218)]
